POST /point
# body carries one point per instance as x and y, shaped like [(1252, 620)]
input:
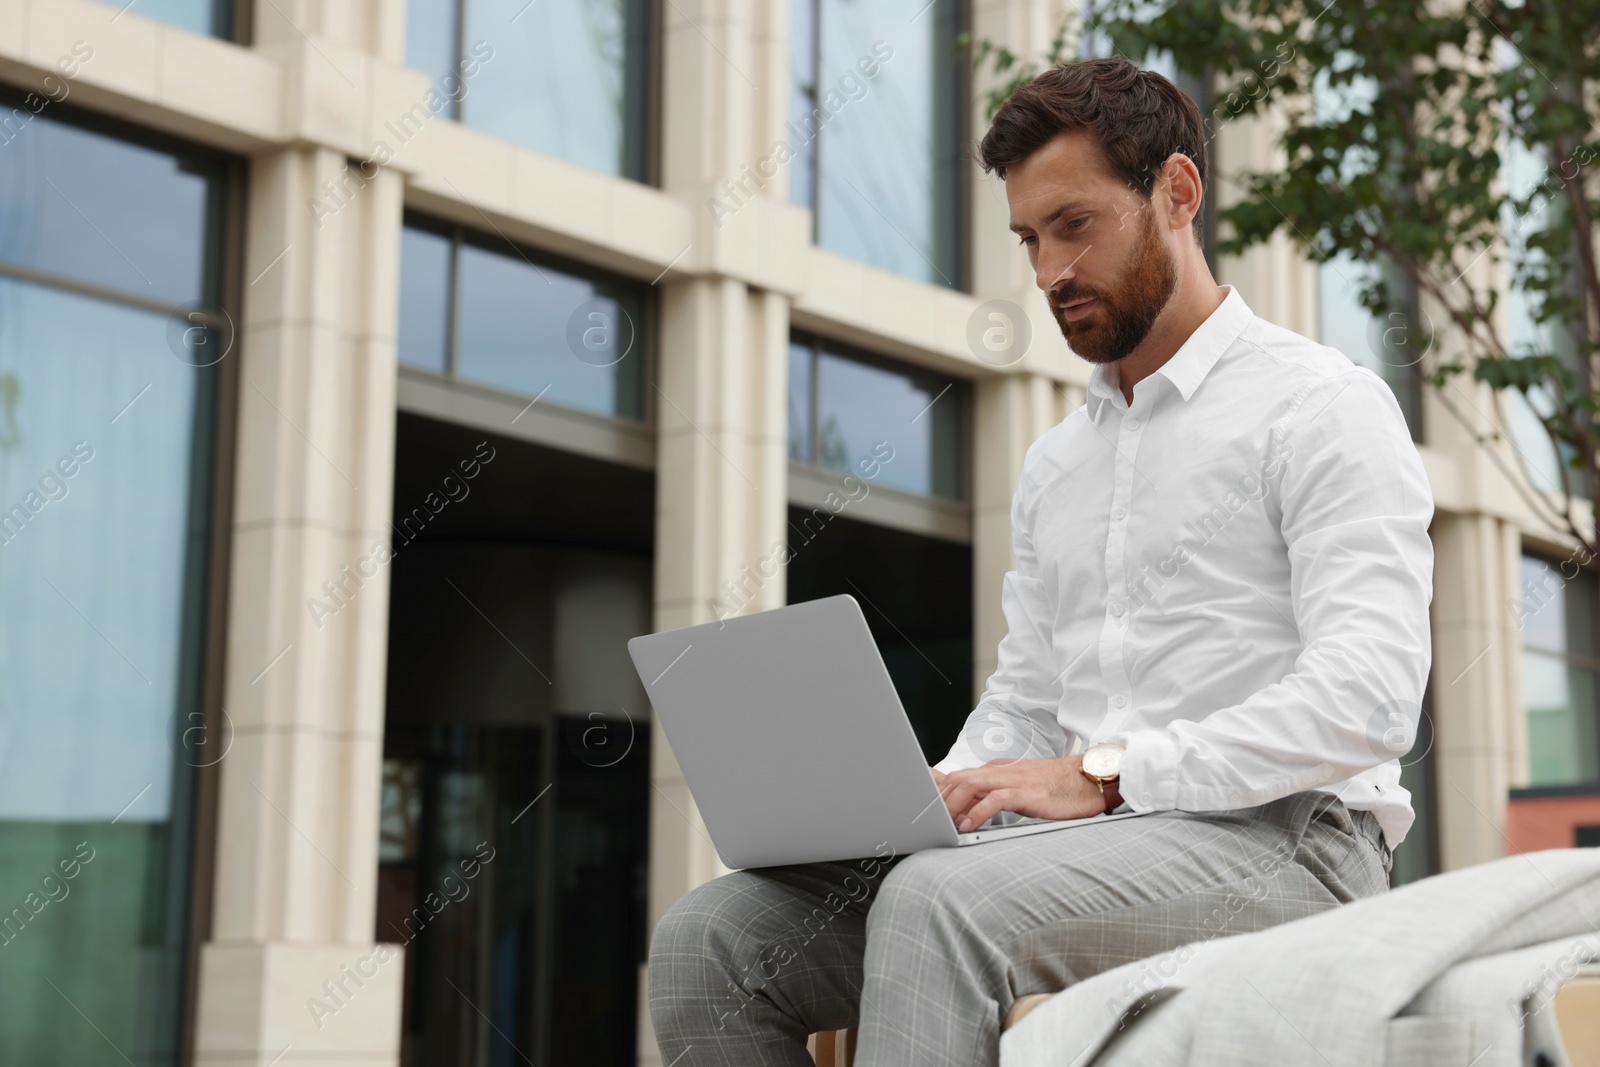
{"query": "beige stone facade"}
[(294, 882)]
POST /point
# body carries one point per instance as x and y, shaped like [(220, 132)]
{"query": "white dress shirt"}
[(1230, 577)]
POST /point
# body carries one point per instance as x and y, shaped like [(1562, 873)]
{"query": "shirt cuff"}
[(1149, 770)]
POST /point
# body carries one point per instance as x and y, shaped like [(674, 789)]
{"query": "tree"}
[(1397, 123)]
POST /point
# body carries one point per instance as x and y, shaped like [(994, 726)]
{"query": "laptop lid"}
[(792, 737)]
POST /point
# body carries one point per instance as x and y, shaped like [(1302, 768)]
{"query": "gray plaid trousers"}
[(926, 953)]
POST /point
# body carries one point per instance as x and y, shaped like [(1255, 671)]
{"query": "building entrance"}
[(515, 801)]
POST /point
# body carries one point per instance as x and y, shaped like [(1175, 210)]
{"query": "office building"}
[(369, 372)]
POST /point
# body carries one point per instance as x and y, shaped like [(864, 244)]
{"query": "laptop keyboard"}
[(999, 822)]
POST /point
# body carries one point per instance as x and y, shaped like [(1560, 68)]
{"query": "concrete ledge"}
[(321, 1003)]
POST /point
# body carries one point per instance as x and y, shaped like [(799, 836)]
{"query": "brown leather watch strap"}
[(1112, 794)]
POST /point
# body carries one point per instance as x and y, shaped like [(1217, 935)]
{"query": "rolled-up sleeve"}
[(1016, 717), (1355, 506)]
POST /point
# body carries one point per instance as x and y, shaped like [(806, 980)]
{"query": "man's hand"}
[(1040, 788)]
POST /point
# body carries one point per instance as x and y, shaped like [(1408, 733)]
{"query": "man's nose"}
[(1056, 270)]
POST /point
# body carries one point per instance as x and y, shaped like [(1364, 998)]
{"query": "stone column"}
[(316, 432), (1275, 278), (1476, 682), (291, 968), (721, 385), (720, 501)]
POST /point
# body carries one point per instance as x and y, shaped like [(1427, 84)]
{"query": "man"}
[(1219, 616)]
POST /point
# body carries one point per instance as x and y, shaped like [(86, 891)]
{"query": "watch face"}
[(1103, 761)]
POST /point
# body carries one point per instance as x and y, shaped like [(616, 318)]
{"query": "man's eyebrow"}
[(1075, 205)]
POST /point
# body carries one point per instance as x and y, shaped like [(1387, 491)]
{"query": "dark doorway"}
[(512, 856), (916, 593)]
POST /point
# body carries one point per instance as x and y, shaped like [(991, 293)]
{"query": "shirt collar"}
[(1191, 363)]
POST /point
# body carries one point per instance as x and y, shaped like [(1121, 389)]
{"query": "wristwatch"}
[(1102, 765)]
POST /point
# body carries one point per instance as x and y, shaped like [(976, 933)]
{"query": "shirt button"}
[(1132, 424), (1119, 513), (1117, 608), (1118, 701)]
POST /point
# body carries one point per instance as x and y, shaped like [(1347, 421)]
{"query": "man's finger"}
[(991, 805), (973, 784), (960, 796)]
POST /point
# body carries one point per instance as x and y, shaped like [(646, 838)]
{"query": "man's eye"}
[(1025, 239), (1078, 223)]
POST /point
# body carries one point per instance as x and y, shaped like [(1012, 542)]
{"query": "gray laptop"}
[(794, 743)]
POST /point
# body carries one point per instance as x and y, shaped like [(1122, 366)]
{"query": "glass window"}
[(211, 17), (520, 322), (426, 280), (880, 121), (803, 102), (433, 43), (1391, 347), (1560, 670), (528, 329), (142, 234), (800, 390), (1391, 350), (1541, 462), (563, 77), (1523, 169), (846, 409), (105, 434)]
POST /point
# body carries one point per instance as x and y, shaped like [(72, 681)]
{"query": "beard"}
[(1125, 313)]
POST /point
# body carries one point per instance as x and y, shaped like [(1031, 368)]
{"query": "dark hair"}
[(1136, 117)]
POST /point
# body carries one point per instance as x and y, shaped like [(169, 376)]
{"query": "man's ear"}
[(1185, 191)]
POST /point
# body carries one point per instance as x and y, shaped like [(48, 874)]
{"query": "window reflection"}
[(106, 413), (1560, 672), (800, 389), (1546, 466), (1541, 462), (889, 85), (98, 554), (1391, 347), (433, 42), (211, 17), (68, 360), (508, 318), (425, 283), (563, 77), (845, 409), (104, 212), (530, 330), (803, 102)]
